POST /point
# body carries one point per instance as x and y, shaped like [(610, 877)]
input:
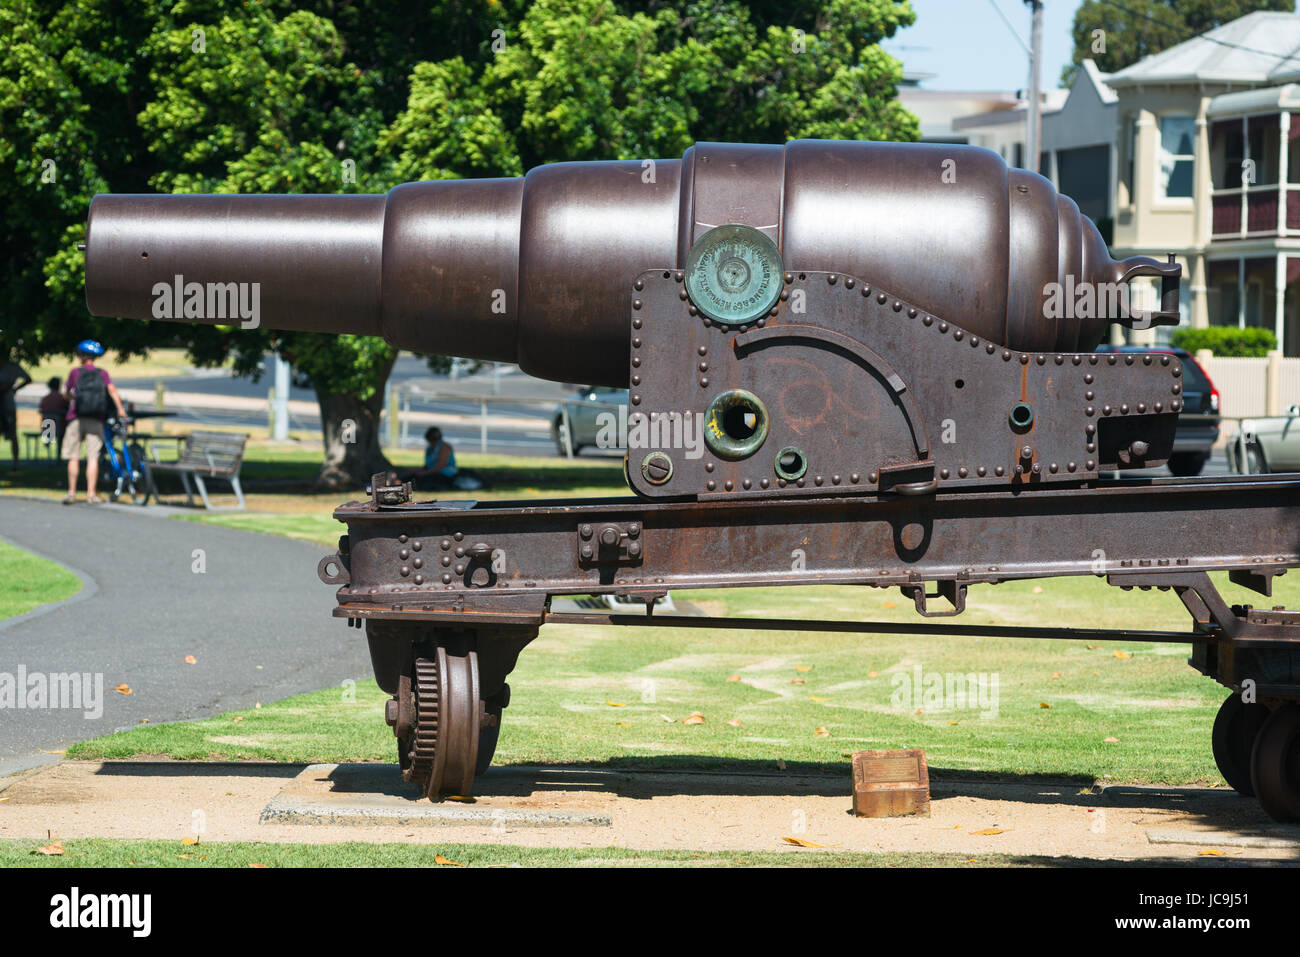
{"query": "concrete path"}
[(593, 806), (256, 620)]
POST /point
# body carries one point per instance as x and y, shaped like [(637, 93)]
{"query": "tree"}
[(1133, 29), (273, 96)]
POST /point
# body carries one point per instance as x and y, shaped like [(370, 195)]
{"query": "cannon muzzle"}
[(538, 269)]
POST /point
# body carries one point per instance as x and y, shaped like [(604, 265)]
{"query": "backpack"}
[(91, 397)]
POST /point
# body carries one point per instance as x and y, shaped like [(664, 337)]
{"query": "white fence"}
[(1250, 387)]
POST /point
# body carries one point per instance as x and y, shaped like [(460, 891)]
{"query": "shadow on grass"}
[(297, 476)]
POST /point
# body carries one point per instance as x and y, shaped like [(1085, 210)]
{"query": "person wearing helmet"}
[(89, 391)]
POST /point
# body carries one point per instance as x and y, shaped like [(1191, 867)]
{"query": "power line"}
[(1022, 43)]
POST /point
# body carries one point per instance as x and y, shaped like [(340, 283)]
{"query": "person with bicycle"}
[(89, 391)]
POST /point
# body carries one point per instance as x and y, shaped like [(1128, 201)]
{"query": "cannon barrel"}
[(538, 269)]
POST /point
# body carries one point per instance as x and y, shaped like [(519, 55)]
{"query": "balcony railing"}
[(1253, 211)]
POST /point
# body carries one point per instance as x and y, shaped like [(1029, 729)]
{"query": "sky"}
[(969, 47)]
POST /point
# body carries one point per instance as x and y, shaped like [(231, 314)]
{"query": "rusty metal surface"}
[(536, 269), (891, 783), (422, 556), (861, 383)]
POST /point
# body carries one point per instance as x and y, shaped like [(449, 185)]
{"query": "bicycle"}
[(125, 462)]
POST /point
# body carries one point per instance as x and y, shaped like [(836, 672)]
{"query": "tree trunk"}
[(350, 428)]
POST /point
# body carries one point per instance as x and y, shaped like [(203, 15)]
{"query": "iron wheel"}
[(1236, 727), (1275, 764)]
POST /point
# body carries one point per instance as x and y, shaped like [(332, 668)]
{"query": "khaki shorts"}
[(92, 431)]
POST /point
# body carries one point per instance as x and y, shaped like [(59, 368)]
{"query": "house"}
[(937, 109), (1208, 169), (1078, 140)]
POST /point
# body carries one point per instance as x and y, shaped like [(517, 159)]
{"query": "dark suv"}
[(1198, 423)]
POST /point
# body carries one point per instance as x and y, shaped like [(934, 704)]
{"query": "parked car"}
[(1270, 444), (584, 412), (1199, 422)]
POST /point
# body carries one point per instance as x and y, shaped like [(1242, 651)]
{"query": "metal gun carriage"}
[(861, 333)]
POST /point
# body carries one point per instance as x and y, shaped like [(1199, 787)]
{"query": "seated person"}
[(54, 408), (440, 472)]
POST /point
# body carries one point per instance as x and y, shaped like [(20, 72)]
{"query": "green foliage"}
[(1135, 29), (1226, 340)]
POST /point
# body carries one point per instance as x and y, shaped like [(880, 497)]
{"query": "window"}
[(1176, 156)]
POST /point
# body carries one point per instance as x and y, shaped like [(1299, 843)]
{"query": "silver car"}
[(1267, 445), (585, 418)]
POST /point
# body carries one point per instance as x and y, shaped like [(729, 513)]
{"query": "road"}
[(256, 620)]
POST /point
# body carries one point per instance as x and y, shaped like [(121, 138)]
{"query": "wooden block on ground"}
[(891, 783)]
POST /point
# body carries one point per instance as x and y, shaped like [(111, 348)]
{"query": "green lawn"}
[(618, 696), (104, 852), (27, 582)]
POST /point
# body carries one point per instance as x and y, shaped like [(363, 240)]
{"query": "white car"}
[(1267, 445)]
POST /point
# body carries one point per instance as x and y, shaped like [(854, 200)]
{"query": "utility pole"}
[(1034, 135), (280, 416)]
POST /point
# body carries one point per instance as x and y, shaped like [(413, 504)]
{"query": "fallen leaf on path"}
[(1092, 647), (617, 704), (796, 681), (1209, 853), (1043, 704), (51, 850), (1112, 740), (873, 674), (43, 751), (800, 842), (821, 733), (439, 859), (889, 604), (694, 718), (1038, 589), (734, 723), (191, 660), (259, 866), (803, 667), (237, 718), (1122, 654), (1056, 674), (734, 678), (123, 689), (668, 719), (189, 841), (462, 798), (990, 830), (624, 724), (954, 722), (813, 697)]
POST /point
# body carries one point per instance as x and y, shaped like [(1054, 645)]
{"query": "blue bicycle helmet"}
[(89, 347)]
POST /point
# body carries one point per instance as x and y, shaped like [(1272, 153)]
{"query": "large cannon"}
[(848, 363)]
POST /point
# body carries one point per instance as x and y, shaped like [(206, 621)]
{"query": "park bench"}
[(210, 454)]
